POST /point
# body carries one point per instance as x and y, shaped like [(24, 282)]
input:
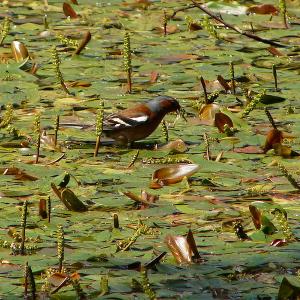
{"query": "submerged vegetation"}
[(206, 207)]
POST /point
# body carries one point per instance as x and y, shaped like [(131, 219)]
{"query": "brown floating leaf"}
[(211, 86), (180, 248), (57, 279), (177, 146), (69, 11), (85, 40), (78, 83), (256, 216), (263, 9), (154, 261), (145, 200), (208, 112), (172, 174), (7, 267), (19, 51), (274, 136), (275, 52), (43, 208), (224, 83), (154, 76), (69, 199), (170, 29), (191, 241), (19, 174), (249, 150), (221, 120)]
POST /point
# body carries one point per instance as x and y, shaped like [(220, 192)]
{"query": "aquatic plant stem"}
[(204, 90), (56, 130), (274, 71), (23, 225)]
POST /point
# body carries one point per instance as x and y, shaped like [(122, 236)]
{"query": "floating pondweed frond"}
[(283, 12), (125, 244), (56, 62), (67, 41), (232, 77), (165, 130), (127, 60), (166, 160), (254, 102), (193, 24), (60, 247), (206, 141), (6, 121), (4, 29), (149, 292), (8, 116), (99, 127), (289, 176), (37, 131), (134, 158), (210, 28), (213, 96), (104, 288), (282, 221)]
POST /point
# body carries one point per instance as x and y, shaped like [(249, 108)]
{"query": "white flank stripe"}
[(119, 121), (140, 119)]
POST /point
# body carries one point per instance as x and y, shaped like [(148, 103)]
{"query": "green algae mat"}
[(207, 207)]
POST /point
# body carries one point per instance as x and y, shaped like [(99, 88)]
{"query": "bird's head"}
[(164, 104)]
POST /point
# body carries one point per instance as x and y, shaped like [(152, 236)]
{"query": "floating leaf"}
[(256, 216), (180, 248), (145, 200), (172, 174), (275, 52), (85, 40), (19, 174), (221, 120), (19, 51), (69, 199), (78, 83), (177, 146), (191, 241), (224, 83), (271, 99), (69, 11), (289, 288), (263, 9), (274, 137), (208, 112)]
